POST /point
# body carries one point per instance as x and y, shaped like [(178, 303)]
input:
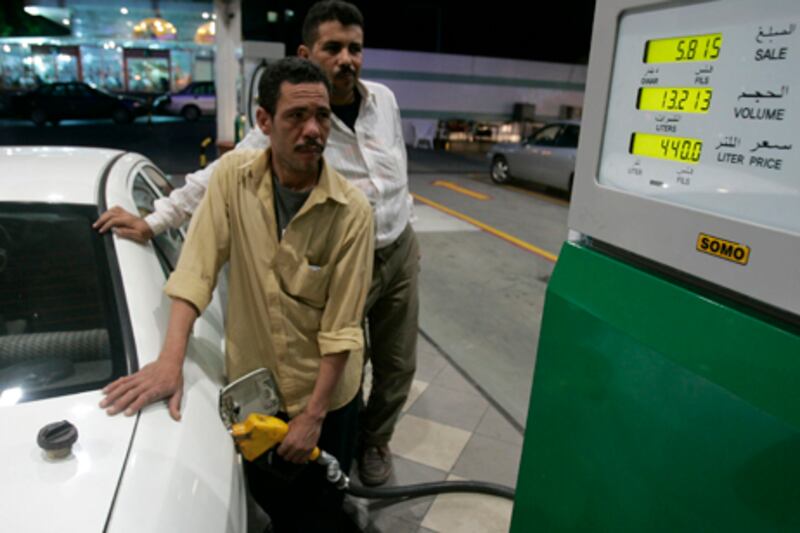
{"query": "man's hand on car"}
[(159, 380), (125, 224)]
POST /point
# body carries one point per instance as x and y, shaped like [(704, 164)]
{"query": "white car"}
[(547, 157), (78, 310), (197, 99)]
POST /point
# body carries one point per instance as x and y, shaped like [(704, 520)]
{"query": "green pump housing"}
[(656, 407)]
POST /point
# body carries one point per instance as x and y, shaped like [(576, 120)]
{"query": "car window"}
[(159, 180), (94, 90), (569, 137), (59, 90), (546, 136), (169, 243), (78, 90), (60, 329)]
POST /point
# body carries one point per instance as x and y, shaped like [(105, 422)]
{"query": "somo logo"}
[(728, 250)]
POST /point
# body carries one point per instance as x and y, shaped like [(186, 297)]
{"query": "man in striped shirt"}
[(366, 146)]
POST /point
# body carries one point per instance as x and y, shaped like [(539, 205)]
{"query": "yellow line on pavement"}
[(489, 229), (540, 196), (463, 190)]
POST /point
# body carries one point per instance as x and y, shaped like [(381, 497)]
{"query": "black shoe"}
[(375, 465)]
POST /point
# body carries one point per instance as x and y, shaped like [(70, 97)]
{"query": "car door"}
[(79, 102), (563, 156), (199, 97), (187, 474), (179, 99), (58, 103), (104, 104), (212, 98), (535, 157), (207, 100), (85, 104)]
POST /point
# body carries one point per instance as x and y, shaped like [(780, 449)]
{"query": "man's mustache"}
[(310, 145), (345, 70)]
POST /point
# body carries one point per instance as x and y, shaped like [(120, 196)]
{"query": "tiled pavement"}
[(448, 431)]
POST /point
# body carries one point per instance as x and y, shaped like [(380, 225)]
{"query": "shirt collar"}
[(367, 102), (330, 184), (367, 96)]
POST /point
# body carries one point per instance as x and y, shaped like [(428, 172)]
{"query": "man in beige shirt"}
[(299, 240)]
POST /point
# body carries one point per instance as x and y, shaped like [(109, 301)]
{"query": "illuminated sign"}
[(682, 49), (678, 99), (680, 149)]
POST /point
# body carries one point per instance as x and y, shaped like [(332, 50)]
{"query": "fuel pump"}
[(665, 392), (255, 56)]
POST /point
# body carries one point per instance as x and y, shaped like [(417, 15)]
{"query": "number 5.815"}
[(687, 49)]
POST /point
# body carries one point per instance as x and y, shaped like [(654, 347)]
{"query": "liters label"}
[(728, 250)]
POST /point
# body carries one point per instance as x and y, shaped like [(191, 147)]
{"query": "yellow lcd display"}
[(675, 99), (683, 49), (680, 149)]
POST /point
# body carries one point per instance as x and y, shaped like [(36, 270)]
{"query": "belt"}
[(384, 252)]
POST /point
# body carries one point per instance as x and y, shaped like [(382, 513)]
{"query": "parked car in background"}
[(197, 99), (53, 102), (547, 157), (7, 99), (77, 311)]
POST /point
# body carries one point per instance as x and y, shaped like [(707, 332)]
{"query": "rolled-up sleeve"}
[(207, 245), (340, 329)]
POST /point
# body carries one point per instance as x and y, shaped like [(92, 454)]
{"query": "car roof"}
[(566, 121), (53, 174), (193, 84)]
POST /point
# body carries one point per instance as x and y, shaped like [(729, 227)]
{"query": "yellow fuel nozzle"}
[(259, 433)]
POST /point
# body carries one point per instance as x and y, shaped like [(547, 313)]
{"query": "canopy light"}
[(155, 28)]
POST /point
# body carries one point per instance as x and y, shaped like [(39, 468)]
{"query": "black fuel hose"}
[(339, 479), (429, 489), (251, 93)]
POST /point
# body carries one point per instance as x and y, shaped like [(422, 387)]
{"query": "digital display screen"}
[(682, 149), (702, 109), (677, 99), (683, 49)]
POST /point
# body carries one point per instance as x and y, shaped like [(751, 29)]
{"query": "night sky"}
[(560, 32)]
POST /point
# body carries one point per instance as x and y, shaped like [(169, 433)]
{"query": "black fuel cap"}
[(57, 439)]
